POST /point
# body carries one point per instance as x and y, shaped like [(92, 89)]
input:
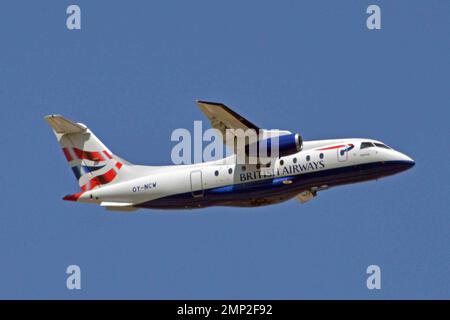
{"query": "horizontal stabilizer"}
[(62, 125)]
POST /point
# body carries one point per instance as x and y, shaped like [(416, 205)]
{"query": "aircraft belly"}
[(269, 191)]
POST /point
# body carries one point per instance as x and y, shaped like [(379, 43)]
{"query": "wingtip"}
[(210, 102)]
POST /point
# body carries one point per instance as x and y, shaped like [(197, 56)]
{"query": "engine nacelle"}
[(280, 146)]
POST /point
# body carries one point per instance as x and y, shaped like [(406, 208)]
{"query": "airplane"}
[(300, 169)]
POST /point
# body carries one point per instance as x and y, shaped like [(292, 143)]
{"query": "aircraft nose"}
[(410, 163), (407, 162)]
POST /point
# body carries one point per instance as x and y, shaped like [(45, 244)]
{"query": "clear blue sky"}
[(132, 75)]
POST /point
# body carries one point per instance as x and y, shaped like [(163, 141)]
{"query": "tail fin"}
[(92, 163)]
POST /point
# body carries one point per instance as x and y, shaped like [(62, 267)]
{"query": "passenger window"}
[(281, 162), (230, 171), (365, 145), (243, 168), (294, 160), (321, 156), (308, 158), (216, 173)]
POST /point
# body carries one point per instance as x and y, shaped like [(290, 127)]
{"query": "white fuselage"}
[(321, 164)]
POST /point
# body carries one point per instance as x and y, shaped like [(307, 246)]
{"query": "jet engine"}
[(280, 146)]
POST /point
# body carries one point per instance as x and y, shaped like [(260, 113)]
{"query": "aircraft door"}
[(196, 184), (342, 153)]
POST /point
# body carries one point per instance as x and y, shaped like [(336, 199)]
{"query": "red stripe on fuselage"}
[(333, 147)]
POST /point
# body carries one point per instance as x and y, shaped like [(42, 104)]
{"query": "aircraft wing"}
[(222, 117)]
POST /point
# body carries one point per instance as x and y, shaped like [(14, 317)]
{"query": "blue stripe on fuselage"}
[(274, 187)]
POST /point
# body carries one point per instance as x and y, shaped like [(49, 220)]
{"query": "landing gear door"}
[(196, 184), (342, 153)]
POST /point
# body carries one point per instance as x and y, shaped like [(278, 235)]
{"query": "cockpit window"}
[(365, 145), (382, 145)]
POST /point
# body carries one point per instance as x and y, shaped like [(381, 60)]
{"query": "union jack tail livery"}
[(92, 163)]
